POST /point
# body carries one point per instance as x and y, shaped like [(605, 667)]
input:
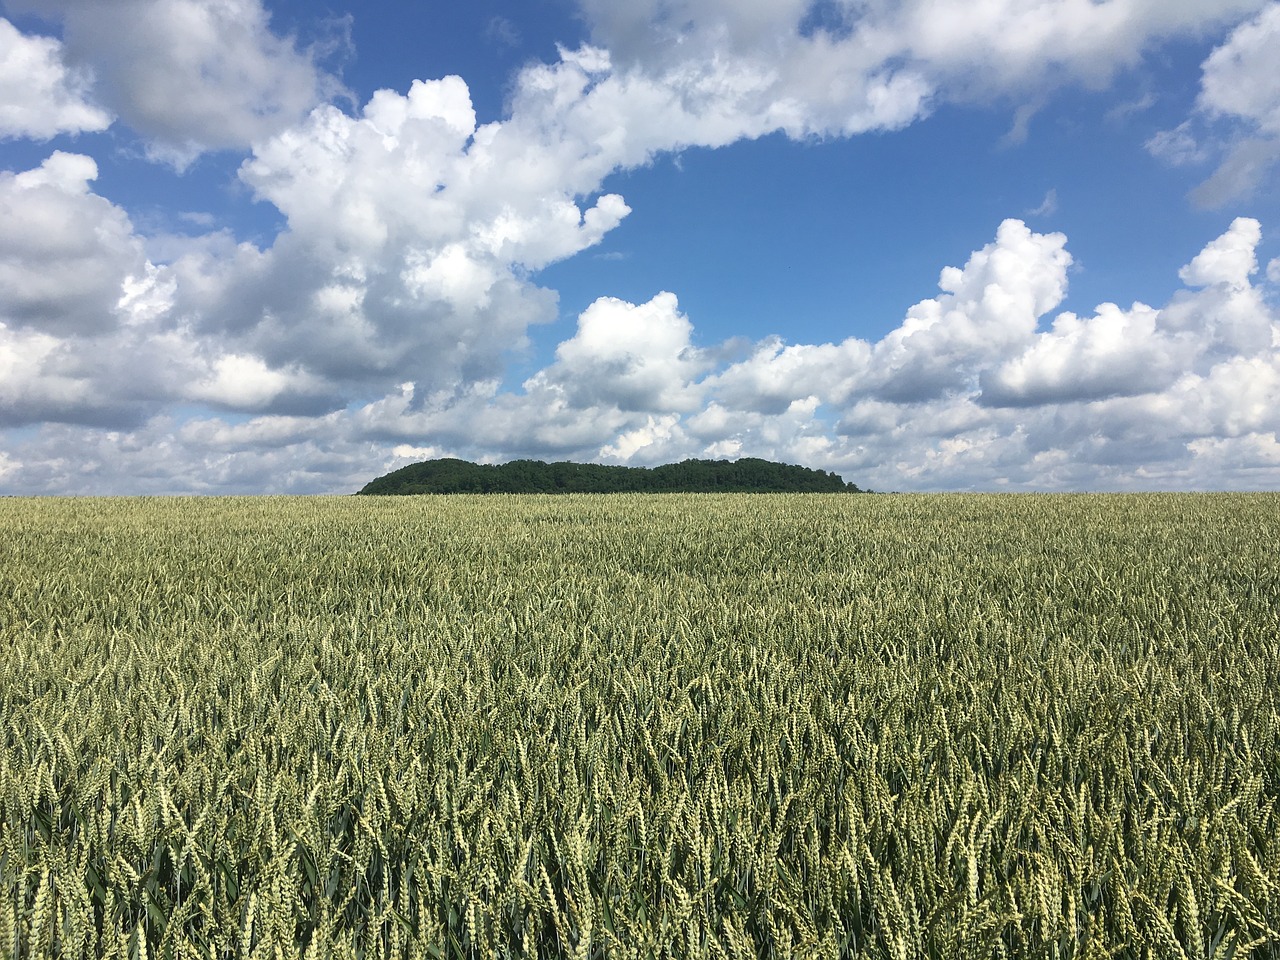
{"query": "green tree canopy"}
[(748, 475)]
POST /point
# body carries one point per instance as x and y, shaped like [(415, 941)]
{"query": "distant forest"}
[(747, 475)]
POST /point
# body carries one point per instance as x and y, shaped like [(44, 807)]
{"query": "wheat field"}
[(640, 726)]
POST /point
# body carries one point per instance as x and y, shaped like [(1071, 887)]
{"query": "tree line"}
[(748, 475)]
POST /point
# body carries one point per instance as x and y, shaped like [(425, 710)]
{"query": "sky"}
[(257, 247)]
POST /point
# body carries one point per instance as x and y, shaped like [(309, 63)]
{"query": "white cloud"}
[(708, 72), (1177, 147), (1185, 395), (1125, 109), (40, 96), (1238, 112), (411, 454), (1143, 351), (188, 75), (1048, 206), (987, 310), (634, 357), (26, 391), (410, 238), (777, 374), (411, 234), (1256, 454), (1240, 77), (632, 445), (246, 382), (879, 64), (89, 328), (403, 274), (1229, 259), (1115, 353), (64, 251)]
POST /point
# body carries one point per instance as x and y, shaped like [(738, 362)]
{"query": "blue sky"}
[(255, 247)]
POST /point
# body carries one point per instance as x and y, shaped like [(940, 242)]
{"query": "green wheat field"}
[(641, 726)]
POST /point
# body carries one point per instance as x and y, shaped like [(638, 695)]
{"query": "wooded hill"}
[(748, 475)]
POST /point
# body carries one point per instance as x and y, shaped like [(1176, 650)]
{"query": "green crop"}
[(640, 726)]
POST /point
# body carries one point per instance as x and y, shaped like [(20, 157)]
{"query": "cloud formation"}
[(89, 331), (980, 386), (40, 95), (186, 75), (410, 239), (411, 235), (844, 67), (381, 322), (1237, 115)]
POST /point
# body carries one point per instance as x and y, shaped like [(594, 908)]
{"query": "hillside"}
[(748, 475)]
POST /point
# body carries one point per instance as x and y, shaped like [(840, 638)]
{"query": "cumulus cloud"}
[(40, 96), (382, 319), (1142, 351), (709, 72), (778, 374), (410, 237), (411, 233), (1114, 353), (63, 250), (1013, 397), (1240, 79), (187, 75), (1237, 116), (840, 67), (246, 382), (634, 357), (1228, 260), (89, 330), (986, 310)]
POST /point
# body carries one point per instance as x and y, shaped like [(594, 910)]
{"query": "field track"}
[(641, 726)]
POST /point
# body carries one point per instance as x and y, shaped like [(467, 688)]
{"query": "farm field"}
[(641, 726)]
